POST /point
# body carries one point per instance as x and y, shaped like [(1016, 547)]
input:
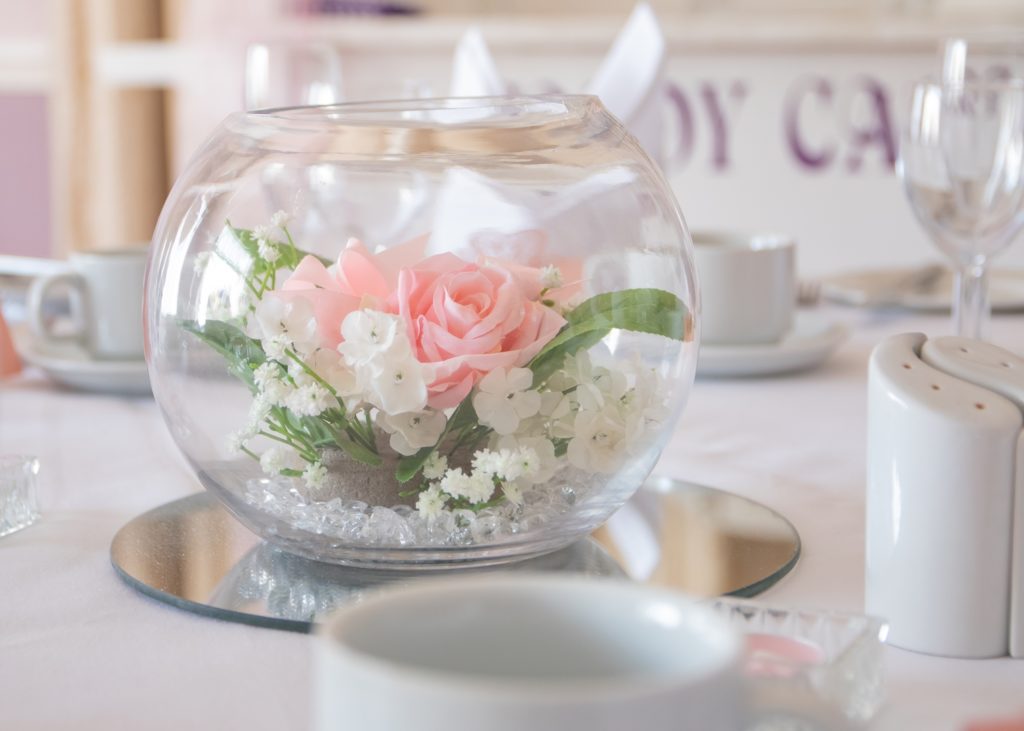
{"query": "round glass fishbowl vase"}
[(425, 333)]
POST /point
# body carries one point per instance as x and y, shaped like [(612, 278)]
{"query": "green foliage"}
[(242, 353), (653, 311)]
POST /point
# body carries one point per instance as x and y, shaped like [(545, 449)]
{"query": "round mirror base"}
[(193, 554)]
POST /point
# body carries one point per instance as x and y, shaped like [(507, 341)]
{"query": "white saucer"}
[(863, 288), (811, 341), (70, 365)]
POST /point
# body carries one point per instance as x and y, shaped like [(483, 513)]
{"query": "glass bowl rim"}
[(523, 110)]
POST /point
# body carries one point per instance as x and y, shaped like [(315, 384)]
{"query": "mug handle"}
[(37, 296)]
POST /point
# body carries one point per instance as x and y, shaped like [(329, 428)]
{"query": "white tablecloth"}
[(79, 649)]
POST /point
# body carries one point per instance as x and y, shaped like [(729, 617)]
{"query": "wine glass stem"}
[(972, 308)]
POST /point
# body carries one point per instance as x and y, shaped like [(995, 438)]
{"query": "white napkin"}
[(535, 227), (629, 81), (474, 72)]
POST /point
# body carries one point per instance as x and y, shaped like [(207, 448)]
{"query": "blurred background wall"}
[(778, 114)]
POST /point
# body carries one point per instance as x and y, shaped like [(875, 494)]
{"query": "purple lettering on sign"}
[(879, 130), (679, 103), (719, 120), (821, 89)]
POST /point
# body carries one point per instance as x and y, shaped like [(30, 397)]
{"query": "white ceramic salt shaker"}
[(945, 496)]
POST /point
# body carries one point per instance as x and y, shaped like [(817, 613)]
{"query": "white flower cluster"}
[(611, 413), (378, 350), (587, 416), (507, 469)]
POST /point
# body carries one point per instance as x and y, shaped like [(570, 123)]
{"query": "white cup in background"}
[(105, 290), (748, 287), (535, 652)]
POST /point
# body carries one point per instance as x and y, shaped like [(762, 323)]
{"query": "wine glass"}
[(991, 56), (962, 165)]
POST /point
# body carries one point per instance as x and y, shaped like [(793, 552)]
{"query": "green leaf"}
[(242, 353), (408, 467), (653, 311), (355, 450), (550, 360)]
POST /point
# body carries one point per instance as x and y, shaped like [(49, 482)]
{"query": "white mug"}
[(748, 287), (536, 652), (105, 291)]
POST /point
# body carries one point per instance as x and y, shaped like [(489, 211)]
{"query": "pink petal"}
[(358, 273), (449, 394), (310, 274)]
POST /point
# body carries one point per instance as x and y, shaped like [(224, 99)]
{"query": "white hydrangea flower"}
[(311, 399), (330, 366), (503, 399), (551, 277), (560, 381), (261, 232), (412, 431), (286, 321), (435, 466), (431, 502), (555, 405), (612, 383), (314, 476), (370, 333), (646, 399), (268, 251), (399, 386), (280, 219), (577, 368), (275, 459), (600, 442), (387, 372)]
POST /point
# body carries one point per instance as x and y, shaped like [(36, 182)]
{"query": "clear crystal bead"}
[(19, 505)]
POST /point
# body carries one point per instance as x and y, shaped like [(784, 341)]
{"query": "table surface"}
[(79, 649)]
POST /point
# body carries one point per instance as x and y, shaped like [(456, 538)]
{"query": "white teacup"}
[(538, 652), (748, 287), (105, 290)]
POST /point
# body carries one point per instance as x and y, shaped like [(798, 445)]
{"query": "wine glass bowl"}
[(962, 165)]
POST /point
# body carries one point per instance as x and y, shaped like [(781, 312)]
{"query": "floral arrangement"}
[(459, 385)]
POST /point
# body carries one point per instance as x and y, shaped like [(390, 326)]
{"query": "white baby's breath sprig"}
[(551, 277), (268, 250), (314, 476), (435, 466), (280, 219), (431, 502), (261, 233), (310, 399), (476, 487)]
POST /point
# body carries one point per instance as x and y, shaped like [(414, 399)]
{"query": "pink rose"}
[(359, 279), (468, 319)]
